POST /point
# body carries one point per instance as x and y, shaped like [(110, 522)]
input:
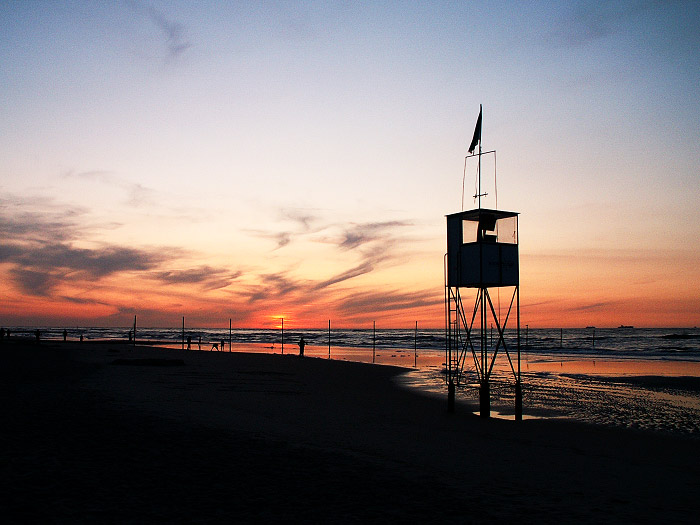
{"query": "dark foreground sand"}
[(256, 437)]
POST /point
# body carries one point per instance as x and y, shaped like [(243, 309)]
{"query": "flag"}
[(477, 133)]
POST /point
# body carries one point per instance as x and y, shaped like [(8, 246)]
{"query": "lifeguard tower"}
[(482, 255)]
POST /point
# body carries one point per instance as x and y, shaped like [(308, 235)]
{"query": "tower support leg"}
[(484, 399), (518, 401), (451, 397)]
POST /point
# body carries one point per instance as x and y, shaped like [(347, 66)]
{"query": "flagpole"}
[(472, 146), (479, 167)]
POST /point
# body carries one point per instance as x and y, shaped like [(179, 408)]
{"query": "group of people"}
[(37, 334)]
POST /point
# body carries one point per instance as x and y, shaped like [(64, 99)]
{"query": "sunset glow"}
[(254, 162)]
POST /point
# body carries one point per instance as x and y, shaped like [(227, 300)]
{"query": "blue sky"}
[(307, 152)]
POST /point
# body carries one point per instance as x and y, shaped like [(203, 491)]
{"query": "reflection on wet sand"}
[(645, 394)]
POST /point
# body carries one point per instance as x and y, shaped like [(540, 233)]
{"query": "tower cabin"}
[(482, 249)]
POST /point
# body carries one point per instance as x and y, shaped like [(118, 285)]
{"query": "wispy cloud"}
[(137, 194), (208, 277), (590, 306), (19, 219), (274, 286), (302, 223), (594, 21), (370, 260), (173, 32), (363, 302), (36, 282), (375, 243), (360, 234), (42, 251), (40, 266)]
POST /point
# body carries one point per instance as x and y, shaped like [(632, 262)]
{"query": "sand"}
[(213, 437)]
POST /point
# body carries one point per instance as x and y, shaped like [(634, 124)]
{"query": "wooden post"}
[(183, 332), (229, 335), (415, 346), (329, 338), (527, 329), (283, 336), (374, 338)]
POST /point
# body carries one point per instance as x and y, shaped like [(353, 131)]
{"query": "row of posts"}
[(374, 340)]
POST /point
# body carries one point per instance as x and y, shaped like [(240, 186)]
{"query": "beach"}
[(112, 433)]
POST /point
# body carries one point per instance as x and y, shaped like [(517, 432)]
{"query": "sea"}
[(679, 344), (641, 378)]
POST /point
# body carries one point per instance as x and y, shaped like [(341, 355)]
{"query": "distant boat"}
[(625, 326)]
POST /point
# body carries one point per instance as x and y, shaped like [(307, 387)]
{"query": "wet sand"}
[(256, 437)]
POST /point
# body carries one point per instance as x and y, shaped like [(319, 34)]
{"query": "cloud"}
[(360, 234), (595, 21), (40, 248), (361, 269), (41, 266), (275, 286), (18, 220), (303, 218), (364, 302), (93, 262), (370, 259), (375, 243), (138, 195), (174, 32), (591, 306), (208, 277), (302, 221), (33, 282)]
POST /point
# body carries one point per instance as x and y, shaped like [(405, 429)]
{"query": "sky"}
[(258, 160)]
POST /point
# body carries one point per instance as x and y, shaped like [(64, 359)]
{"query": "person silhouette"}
[(302, 344)]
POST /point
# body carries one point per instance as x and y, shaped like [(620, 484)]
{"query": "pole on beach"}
[(229, 335), (283, 336), (527, 329), (518, 384), (415, 346), (183, 332), (329, 338), (374, 339), (561, 338), (134, 330)]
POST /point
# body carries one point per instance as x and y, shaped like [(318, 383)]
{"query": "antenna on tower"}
[(476, 141)]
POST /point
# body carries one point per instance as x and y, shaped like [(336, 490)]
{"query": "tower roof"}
[(474, 214)]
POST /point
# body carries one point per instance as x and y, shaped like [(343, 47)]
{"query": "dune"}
[(260, 437)]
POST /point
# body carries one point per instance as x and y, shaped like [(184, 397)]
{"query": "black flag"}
[(477, 133)]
